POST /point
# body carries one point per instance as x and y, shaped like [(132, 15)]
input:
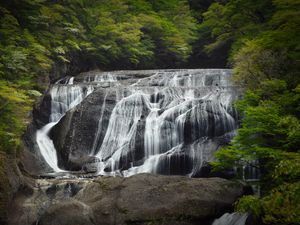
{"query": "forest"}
[(41, 40)]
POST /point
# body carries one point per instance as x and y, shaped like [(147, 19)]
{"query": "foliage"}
[(270, 125), (37, 34), (264, 38), (270, 134), (280, 206), (233, 21), (254, 64), (14, 106)]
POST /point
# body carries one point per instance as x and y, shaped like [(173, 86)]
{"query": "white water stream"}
[(63, 98)]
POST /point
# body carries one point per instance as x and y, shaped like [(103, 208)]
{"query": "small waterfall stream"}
[(46, 146), (63, 98)]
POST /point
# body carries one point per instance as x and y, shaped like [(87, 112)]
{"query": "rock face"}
[(11, 181), (140, 199), (74, 135), (127, 122)]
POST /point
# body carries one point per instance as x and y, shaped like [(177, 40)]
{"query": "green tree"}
[(264, 41), (269, 134), (36, 35)]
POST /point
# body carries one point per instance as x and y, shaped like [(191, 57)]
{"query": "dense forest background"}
[(42, 40)]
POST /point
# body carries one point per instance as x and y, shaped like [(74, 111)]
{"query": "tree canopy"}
[(36, 35)]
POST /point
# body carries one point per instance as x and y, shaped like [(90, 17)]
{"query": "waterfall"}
[(95, 143), (63, 98), (104, 77), (155, 121), (121, 129), (152, 133), (179, 100), (46, 146)]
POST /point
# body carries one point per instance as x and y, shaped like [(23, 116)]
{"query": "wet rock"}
[(134, 155), (42, 110), (75, 134), (83, 162)]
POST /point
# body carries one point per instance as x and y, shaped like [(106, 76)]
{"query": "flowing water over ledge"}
[(231, 219), (129, 122)]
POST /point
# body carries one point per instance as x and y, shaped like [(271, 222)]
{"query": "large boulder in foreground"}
[(140, 199)]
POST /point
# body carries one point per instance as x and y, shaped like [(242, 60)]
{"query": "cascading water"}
[(231, 219), (46, 146), (63, 98), (121, 129), (165, 126), (99, 126), (159, 121)]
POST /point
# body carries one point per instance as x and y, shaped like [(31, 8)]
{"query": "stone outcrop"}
[(11, 181), (140, 199)]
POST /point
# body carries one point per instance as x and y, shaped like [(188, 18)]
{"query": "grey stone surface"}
[(140, 199)]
